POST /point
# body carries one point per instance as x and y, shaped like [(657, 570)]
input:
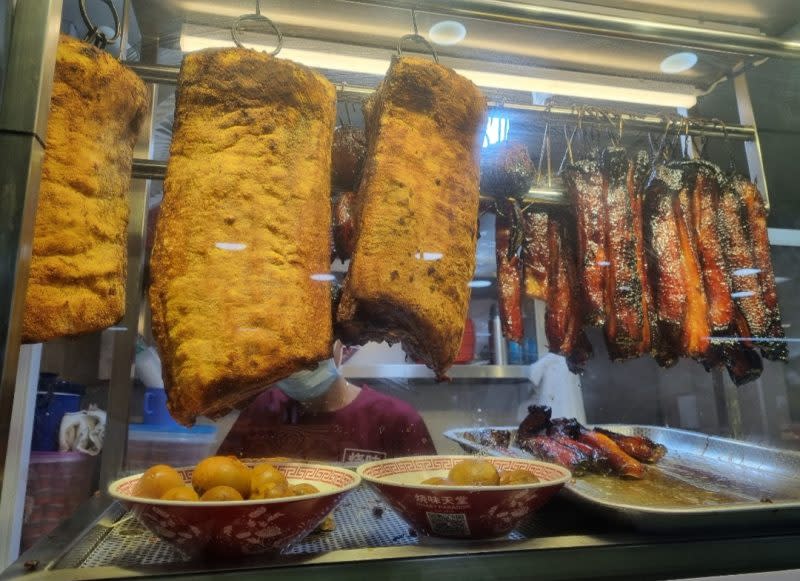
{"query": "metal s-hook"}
[(94, 35), (416, 37), (236, 29)]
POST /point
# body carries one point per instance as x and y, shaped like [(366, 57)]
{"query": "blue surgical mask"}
[(307, 385)]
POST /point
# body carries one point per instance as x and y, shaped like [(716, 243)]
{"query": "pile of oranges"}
[(219, 478), (481, 473)]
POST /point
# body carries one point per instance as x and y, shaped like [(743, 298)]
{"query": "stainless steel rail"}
[(625, 28), (154, 169), (696, 127)]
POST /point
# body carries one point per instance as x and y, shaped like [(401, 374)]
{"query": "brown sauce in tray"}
[(692, 482), (657, 490)]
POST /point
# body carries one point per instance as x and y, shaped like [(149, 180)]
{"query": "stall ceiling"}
[(357, 25), (771, 17)]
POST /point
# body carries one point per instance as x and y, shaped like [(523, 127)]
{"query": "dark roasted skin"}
[(563, 319), (641, 172), (549, 449), (587, 190), (666, 277), (537, 421), (506, 170), (752, 319), (343, 226), (624, 307), (744, 365), (509, 274), (349, 152), (674, 269), (756, 219), (702, 181), (639, 447), (534, 254)]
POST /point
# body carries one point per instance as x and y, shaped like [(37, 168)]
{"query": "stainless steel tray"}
[(703, 482)]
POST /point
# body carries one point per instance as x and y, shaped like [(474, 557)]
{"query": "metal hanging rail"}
[(153, 169), (626, 28)]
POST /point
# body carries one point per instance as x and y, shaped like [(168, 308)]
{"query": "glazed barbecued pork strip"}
[(641, 448), (587, 190), (756, 216), (244, 227), (563, 314), (674, 269), (575, 458), (626, 323), (752, 319), (79, 254), (418, 212), (702, 183), (534, 254), (509, 273)]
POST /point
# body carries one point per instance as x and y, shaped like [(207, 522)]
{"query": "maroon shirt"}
[(371, 427)]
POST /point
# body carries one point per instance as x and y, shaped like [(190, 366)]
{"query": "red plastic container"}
[(58, 482)]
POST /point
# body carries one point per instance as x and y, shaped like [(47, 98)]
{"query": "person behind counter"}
[(319, 415)]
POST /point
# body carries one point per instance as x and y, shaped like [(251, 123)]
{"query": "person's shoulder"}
[(383, 405)]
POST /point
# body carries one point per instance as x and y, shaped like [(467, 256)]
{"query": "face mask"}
[(307, 385)]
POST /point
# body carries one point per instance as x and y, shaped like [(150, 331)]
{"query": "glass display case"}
[(637, 131)]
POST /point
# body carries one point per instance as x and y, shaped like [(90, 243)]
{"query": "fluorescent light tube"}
[(564, 85)]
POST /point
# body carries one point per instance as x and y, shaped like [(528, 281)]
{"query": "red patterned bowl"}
[(246, 527), (469, 512)]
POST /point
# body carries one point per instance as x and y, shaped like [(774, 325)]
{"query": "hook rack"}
[(416, 37), (236, 29), (94, 35)]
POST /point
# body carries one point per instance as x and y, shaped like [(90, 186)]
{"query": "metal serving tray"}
[(703, 482)]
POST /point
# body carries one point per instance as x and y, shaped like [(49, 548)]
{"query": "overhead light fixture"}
[(678, 62), (555, 82), (447, 32)]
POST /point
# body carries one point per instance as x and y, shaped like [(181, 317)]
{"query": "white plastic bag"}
[(555, 386)]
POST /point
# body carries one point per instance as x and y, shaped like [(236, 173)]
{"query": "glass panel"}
[(566, 97)]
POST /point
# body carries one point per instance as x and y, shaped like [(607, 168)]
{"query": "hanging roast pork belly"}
[(414, 253), (79, 256), (239, 294)]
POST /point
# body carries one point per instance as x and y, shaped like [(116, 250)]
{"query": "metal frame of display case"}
[(22, 122)]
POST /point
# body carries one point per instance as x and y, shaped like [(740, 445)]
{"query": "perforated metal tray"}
[(363, 520), (721, 483)]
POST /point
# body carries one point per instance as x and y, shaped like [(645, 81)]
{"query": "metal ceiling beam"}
[(646, 29)]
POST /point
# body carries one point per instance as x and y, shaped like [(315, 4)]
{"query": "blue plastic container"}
[(154, 409), (50, 408)]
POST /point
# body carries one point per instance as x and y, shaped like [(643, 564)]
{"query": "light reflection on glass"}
[(230, 245), (323, 277), (479, 283), (429, 256), (746, 271), (780, 279), (603, 263), (742, 294)]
